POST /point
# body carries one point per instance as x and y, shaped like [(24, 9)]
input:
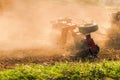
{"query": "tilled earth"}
[(9, 59)]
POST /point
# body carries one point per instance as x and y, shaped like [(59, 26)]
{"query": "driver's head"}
[(88, 36)]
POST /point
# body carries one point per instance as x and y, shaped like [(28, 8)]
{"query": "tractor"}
[(81, 36), (114, 31)]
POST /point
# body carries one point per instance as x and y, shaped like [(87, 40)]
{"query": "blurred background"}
[(26, 23)]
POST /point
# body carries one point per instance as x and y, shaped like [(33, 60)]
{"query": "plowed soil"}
[(10, 58)]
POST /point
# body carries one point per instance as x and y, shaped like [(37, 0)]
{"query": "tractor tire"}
[(88, 28)]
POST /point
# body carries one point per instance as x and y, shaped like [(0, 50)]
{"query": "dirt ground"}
[(9, 59)]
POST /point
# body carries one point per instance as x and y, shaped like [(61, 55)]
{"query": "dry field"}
[(9, 59)]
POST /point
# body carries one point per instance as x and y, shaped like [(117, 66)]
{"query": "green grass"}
[(64, 71)]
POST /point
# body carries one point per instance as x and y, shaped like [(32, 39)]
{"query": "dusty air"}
[(59, 39)]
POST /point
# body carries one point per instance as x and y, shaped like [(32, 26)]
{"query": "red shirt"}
[(90, 43)]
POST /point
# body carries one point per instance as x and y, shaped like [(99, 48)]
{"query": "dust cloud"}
[(25, 28), (26, 23)]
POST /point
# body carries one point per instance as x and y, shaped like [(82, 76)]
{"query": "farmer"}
[(93, 48)]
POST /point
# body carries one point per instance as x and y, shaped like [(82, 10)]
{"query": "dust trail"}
[(26, 24), (25, 28)]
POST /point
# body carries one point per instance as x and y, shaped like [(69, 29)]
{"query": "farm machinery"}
[(114, 31), (81, 36)]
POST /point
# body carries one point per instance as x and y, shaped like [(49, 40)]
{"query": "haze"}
[(26, 23)]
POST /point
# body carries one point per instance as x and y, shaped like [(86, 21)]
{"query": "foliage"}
[(64, 71)]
